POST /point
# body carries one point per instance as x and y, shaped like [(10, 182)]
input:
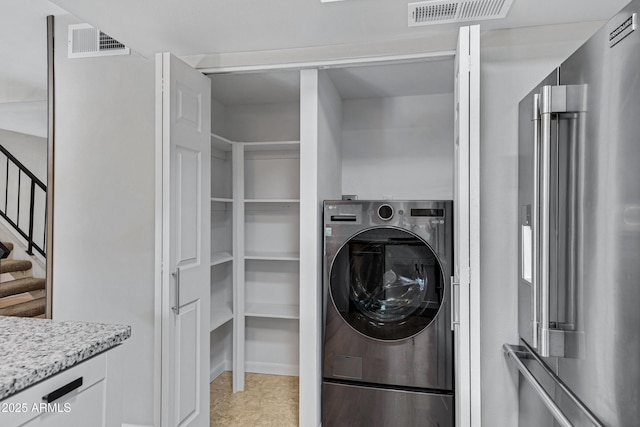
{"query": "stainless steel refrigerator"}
[(578, 358)]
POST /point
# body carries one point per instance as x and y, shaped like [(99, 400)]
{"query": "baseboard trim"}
[(271, 368), (253, 367), (218, 369), (136, 425)]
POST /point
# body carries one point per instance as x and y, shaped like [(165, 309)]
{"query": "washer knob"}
[(385, 212)]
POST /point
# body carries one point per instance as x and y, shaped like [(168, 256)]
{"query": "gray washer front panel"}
[(423, 360)]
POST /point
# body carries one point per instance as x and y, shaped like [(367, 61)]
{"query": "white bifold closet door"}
[(466, 280), (183, 105)]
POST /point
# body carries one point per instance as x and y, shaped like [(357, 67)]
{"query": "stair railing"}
[(10, 211)]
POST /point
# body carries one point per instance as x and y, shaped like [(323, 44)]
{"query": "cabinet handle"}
[(455, 316), (62, 391), (176, 275)]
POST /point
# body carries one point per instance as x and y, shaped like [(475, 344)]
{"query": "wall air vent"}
[(87, 41), (446, 11)]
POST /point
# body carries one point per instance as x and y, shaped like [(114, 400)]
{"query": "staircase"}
[(20, 294)]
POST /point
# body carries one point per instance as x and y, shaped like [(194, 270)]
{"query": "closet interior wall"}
[(396, 129)]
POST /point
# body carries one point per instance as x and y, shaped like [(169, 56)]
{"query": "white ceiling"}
[(221, 26)]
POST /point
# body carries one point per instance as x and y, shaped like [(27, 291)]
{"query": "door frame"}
[(467, 192), (51, 145), (310, 383)]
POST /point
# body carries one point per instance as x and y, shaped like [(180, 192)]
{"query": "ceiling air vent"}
[(447, 11), (87, 41)]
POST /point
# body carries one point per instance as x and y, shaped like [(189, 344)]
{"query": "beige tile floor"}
[(268, 401)]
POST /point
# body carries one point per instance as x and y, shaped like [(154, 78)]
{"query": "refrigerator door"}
[(579, 201), (595, 224)]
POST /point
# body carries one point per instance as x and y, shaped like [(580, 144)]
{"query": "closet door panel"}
[(183, 112)]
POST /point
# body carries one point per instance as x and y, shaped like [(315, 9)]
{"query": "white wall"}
[(217, 117), (400, 147), (28, 117), (104, 205), (330, 109), (263, 122), (512, 62)]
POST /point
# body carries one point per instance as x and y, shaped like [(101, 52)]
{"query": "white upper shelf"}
[(271, 145), (272, 200), (223, 144), (222, 199), (272, 256)]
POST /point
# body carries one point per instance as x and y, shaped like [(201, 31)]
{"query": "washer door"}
[(387, 283)]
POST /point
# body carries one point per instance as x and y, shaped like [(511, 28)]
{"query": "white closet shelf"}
[(273, 311), (225, 144), (273, 256), (219, 316), (221, 257), (271, 145), (221, 143), (272, 200), (222, 199)]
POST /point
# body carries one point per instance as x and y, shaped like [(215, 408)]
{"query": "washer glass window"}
[(387, 283)]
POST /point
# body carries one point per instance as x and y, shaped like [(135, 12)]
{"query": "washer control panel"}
[(427, 212), (390, 213)]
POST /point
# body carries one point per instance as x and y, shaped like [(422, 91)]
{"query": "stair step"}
[(11, 265), (32, 308), (8, 245), (19, 286), (23, 297)]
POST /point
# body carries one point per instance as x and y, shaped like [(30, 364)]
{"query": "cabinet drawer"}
[(75, 396)]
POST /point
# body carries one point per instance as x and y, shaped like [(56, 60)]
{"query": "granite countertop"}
[(32, 350)]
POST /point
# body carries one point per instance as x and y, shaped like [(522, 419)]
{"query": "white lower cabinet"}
[(83, 395)]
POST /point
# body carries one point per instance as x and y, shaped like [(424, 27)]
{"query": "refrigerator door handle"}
[(543, 232), (548, 340), (512, 353), (516, 354), (535, 215), (552, 100)]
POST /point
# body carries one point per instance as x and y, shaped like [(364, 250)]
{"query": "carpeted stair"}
[(20, 294)]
